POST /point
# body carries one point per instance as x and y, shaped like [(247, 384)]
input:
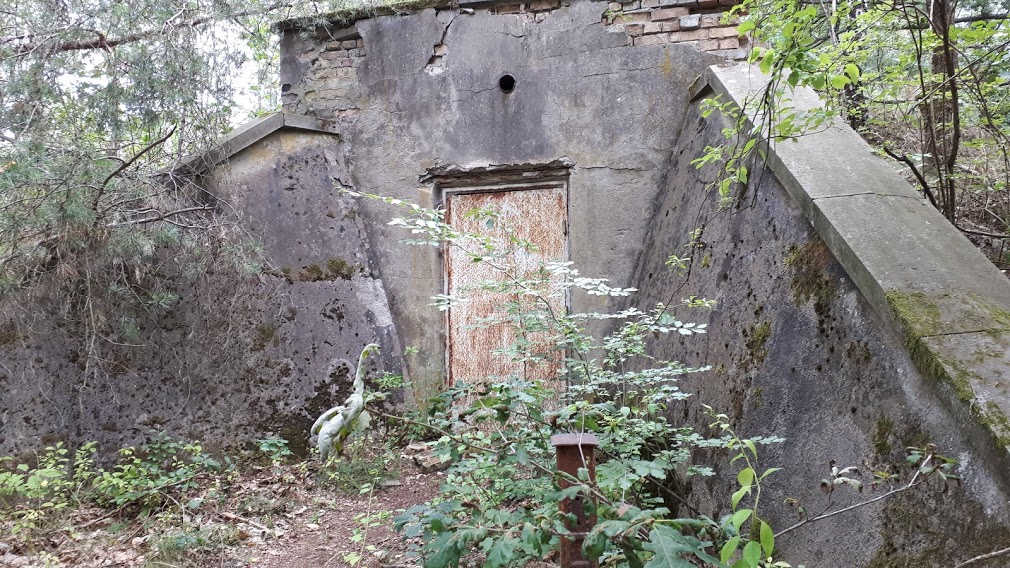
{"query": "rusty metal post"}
[(575, 451)]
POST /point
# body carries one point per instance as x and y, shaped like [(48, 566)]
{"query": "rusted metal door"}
[(539, 216)]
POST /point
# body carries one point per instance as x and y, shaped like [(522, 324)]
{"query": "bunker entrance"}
[(528, 225)]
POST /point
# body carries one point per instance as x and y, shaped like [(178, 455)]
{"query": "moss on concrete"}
[(919, 316), (340, 268), (943, 369), (294, 426), (756, 337), (810, 263), (265, 333), (911, 539), (287, 273), (960, 375), (8, 334), (332, 269), (859, 351), (914, 436), (312, 273), (992, 417), (882, 436), (922, 317), (990, 316), (998, 314)]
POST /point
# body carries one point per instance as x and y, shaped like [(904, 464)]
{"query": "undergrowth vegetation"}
[(501, 495), (500, 504), (163, 503), (161, 475)]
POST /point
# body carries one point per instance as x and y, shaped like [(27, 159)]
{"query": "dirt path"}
[(269, 517), (323, 537)]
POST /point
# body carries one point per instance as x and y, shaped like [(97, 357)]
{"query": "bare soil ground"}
[(270, 517), (328, 541)]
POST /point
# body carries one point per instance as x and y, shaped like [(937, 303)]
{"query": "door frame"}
[(499, 182)]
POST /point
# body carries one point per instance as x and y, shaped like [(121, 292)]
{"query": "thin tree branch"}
[(160, 217), (101, 41), (981, 18), (915, 481), (983, 557), (961, 20), (982, 233), (135, 157), (915, 171)]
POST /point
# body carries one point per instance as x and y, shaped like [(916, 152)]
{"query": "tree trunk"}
[(940, 110)]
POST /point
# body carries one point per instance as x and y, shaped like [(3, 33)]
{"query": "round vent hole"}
[(507, 83)]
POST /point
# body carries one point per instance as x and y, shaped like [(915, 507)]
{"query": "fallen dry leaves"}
[(269, 516)]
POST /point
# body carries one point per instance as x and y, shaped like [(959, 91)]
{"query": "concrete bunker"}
[(844, 331)]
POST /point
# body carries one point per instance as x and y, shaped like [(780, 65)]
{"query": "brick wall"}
[(536, 11), (701, 23), (329, 87)]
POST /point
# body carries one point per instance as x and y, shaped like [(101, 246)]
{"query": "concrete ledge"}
[(247, 135), (921, 275), (345, 18)]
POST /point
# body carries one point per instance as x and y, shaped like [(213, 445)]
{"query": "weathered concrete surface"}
[(247, 135), (804, 348), (320, 55), (924, 278), (583, 92), (287, 190), (843, 321), (240, 356), (384, 116)]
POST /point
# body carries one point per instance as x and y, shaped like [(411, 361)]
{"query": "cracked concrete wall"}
[(319, 64), (241, 356), (409, 94), (583, 92), (798, 351)]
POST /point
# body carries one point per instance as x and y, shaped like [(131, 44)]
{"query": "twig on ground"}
[(982, 557), (250, 522)]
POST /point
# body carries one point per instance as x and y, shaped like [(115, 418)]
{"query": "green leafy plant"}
[(502, 492), (756, 551), (147, 478), (162, 473), (31, 495), (275, 448), (369, 463), (178, 544)]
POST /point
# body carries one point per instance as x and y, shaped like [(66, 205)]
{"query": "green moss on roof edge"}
[(919, 319)]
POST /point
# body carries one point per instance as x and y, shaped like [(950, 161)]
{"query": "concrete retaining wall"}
[(839, 289), (241, 356)]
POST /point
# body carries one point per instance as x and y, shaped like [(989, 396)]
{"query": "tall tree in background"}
[(941, 118)]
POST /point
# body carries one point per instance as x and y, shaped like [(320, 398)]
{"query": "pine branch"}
[(25, 45)]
